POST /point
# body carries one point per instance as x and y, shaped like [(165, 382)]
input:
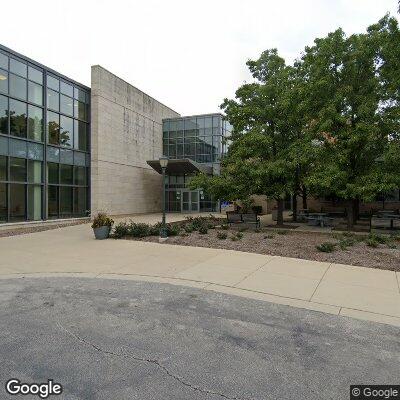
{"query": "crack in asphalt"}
[(150, 361)]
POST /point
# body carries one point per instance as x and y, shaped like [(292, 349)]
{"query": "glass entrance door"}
[(190, 201)]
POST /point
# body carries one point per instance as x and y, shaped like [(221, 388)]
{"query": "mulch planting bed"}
[(14, 231), (294, 244)]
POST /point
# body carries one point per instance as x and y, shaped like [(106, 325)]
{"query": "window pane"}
[(80, 138), (18, 67), (3, 202), (66, 174), (66, 105), (80, 110), (3, 81), (52, 173), (34, 171), (65, 201), (80, 202), (3, 61), (66, 131), (4, 115), (80, 95), (35, 123), (53, 83), (35, 93), (53, 154), (52, 201), (18, 148), (35, 151), (17, 202), (34, 202), (80, 176), (66, 89), (17, 86), (17, 118), (3, 168), (53, 127), (17, 169), (35, 75), (53, 100)]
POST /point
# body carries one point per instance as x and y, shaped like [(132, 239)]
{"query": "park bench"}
[(233, 218), (251, 219), (319, 219)]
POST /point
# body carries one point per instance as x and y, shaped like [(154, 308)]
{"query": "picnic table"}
[(386, 216), (320, 219)]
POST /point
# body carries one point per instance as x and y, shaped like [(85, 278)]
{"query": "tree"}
[(260, 160), (352, 101)]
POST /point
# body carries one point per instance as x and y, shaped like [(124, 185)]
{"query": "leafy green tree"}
[(260, 159), (352, 101)]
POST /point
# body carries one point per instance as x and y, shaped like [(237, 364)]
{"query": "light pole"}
[(163, 164)]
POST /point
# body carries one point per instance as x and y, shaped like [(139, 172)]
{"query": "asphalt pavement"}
[(117, 340)]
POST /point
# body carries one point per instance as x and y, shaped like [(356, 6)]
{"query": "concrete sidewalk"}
[(357, 292)]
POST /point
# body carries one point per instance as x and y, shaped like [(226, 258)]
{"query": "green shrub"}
[(344, 243), (326, 247), (234, 238), (222, 235), (120, 230), (102, 219), (269, 236), (391, 245), (183, 234), (378, 238), (282, 232), (173, 230), (371, 242), (139, 229), (239, 235), (203, 230), (225, 227), (189, 228)]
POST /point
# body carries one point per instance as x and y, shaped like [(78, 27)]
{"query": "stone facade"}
[(126, 132)]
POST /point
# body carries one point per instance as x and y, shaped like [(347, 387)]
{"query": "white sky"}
[(187, 54)]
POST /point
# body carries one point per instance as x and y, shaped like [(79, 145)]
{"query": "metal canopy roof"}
[(181, 166)]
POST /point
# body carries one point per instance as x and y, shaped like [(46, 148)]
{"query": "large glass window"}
[(65, 201), (66, 174), (35, 93), (80, 176), (3, 61), (17, 87), (53, 83), (3, 81), (80, 110), (17, 202), (3, 202), (17, 169), (3, 168), (53, 100), (35, 123), (66, 105), (80, 135), (52, 201), (18, 67), (17, 118), (80, 201), (52, 173), (34, 171), (34, 202), (67, 89), (53, 127), (3, 115), (66, 131), (35, 75)]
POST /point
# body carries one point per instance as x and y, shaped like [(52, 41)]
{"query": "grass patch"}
[(326, 247)]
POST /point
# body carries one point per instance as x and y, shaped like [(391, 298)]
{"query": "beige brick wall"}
[(126, 132)]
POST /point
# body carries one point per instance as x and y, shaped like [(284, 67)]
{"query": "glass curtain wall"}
[(44, 142), (202, 139)]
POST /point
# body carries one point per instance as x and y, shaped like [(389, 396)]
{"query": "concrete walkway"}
[(362, 293)]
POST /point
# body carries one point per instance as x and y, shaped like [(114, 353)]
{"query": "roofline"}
[(130, 84), (193, 116), (37, 64)]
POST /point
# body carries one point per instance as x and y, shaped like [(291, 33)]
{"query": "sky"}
[(187, 54)]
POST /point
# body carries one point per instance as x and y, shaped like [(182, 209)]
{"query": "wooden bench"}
[(251, 219), (233, 218)]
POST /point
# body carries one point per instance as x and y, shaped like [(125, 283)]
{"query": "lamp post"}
[(163, 164)]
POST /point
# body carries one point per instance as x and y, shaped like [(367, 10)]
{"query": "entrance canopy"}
[(181, 166)]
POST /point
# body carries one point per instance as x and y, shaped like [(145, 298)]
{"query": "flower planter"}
[(102, 232)]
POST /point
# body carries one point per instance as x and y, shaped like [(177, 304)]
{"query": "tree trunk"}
[(294, 206), (279, 220), (352, 213), (304, 196)]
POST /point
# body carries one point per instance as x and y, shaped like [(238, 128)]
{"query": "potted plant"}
[(101, 225)]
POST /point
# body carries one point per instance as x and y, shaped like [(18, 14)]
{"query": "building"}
[(67, 150)]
